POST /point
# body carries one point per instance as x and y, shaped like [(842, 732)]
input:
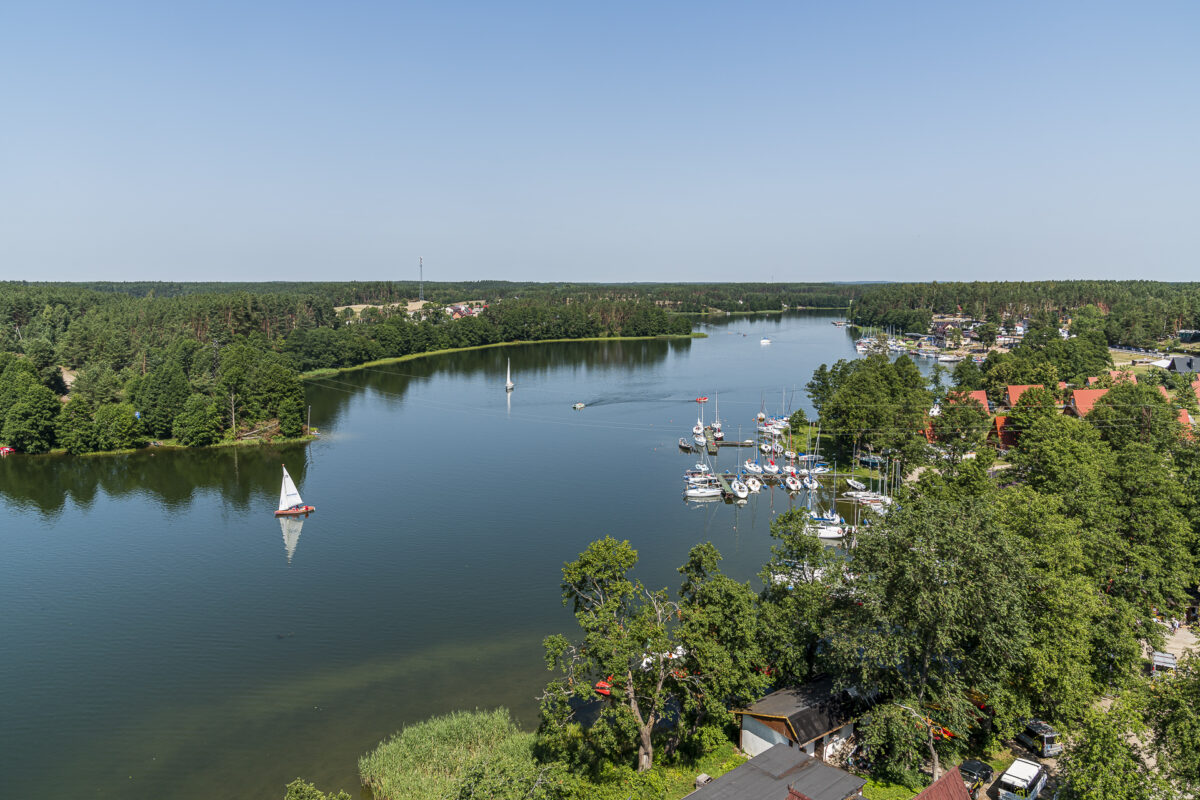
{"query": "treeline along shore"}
[(110, 366), (88, 369)]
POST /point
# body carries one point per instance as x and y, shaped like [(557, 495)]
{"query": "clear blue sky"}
[(599, 141)]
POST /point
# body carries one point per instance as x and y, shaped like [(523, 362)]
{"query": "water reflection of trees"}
[(727, 320), (172, 478), (330, 398)]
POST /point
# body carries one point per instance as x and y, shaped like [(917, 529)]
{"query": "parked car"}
[(1023, 780), (1161, 662), (1039, 737), (976, 776)]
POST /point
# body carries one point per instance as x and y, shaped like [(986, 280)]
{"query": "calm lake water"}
[(163, 638)]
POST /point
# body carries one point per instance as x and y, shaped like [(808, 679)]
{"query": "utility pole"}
[(421, 289)]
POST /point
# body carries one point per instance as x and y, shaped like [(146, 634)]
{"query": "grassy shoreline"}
[(329, 372), (173, 445)]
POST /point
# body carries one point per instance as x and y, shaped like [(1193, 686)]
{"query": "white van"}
[(1024, 780)]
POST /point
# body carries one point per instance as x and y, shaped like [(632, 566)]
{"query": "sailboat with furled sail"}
[(290, 504)]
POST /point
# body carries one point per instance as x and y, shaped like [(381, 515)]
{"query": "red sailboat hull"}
[(296, 512)]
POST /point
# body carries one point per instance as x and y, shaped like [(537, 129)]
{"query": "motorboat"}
[(684, 444), (577, 406), (702, 487), (753, 467), (829, 531), (853, 484), (753, 483), (764, 340), (701, 399), (739, 489)]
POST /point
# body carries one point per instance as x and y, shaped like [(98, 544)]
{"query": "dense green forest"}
[(203, 367), (1135, 313), (689, 297)]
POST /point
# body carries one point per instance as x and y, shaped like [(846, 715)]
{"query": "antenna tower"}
[(421, 289)]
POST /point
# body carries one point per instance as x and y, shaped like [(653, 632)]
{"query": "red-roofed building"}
[(1013, 393), (1118, 376), (1062, 384), (948, 787), (979, 395), (1185, 419), (1082, 400), (1196, 388), (1006, 437), (1163, 391)]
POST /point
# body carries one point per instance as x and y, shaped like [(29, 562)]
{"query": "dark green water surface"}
[(158, 641)]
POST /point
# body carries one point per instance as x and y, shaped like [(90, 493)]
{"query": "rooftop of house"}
[(1083, 399), (1006, 435), (948, 787), (979, 395), (810, 711), (1013, 393), (780, 773), (1117, 375), (1184, 364)]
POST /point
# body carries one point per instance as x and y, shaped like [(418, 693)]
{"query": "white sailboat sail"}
[(291, 527), (288, 495), (508, 384)]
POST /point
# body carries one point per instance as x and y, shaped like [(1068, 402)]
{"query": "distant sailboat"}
[(291, 527), (290, 503), (508, 384)]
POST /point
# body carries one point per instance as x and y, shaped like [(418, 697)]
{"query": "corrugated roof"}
[(773, 774), (948, 787)]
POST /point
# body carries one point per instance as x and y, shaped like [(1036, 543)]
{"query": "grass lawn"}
[(882, 790), (681, 780), (1001, 761)]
